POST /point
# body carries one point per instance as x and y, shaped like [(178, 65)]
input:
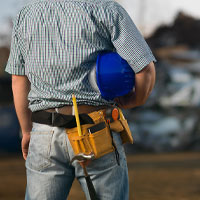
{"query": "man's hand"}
[(144, 83), (25, 144), (126, 101)]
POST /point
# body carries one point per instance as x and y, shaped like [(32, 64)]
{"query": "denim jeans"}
[(50, 174)]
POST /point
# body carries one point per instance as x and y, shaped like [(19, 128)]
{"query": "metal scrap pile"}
[(169, 120)]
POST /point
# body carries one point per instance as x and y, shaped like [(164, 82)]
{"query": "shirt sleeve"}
[(15, 64), (128, 41)]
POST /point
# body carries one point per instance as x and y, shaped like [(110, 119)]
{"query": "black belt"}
[(59, 120)]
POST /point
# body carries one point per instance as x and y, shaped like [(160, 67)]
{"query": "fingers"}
[(127, 101), (25, 145), (25, 154), (118, 101)]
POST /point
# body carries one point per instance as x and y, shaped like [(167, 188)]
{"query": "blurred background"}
[(164, 162)]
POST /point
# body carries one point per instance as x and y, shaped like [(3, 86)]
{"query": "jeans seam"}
[(66, 149)]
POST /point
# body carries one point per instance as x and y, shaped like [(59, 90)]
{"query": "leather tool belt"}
[(97, 133), (96, 138)]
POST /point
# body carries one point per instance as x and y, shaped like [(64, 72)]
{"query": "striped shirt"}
[(56, 42)]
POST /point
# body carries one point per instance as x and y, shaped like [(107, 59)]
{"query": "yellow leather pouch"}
[(116, 126), (101, 142), (125, 134), (80, 144)]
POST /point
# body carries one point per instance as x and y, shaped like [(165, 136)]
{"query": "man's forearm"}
[(144, 83), (21, 87)]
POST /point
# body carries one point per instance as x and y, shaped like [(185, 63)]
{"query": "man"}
[(54, 45)]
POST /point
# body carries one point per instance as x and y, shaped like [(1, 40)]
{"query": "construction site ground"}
[(172, 176)]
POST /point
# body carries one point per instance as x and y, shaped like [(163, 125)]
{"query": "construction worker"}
[(54, 45)]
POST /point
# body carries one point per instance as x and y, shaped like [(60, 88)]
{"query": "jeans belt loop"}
[(52, 118), (57, 110)]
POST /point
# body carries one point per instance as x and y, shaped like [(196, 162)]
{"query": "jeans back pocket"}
[(39, 150)]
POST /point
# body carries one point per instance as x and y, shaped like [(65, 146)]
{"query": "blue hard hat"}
[(114, 76)]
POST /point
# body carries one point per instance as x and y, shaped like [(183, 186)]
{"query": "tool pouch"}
[(125, 134), (121, 126), (80, 144), (99, 142)]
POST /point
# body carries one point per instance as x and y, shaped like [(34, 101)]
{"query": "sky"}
[(147, 14), (8, 9)]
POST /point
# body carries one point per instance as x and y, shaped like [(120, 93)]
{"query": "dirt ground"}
[(174, 176)]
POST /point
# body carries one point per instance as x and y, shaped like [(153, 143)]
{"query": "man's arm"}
[(21, 87), (144, 83)]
